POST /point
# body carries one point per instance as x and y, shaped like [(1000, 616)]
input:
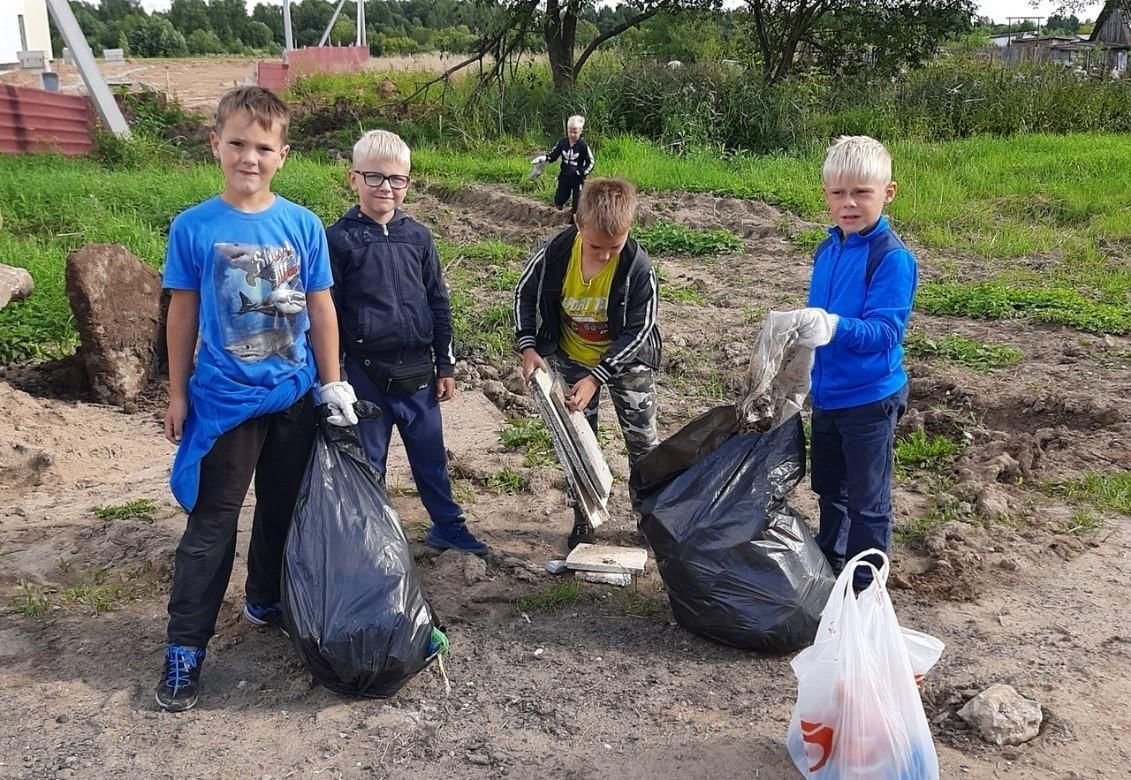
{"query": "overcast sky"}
[(995, 9)]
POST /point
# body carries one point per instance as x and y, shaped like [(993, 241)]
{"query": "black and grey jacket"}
[(389, 291), (633, 304), (577, 160)]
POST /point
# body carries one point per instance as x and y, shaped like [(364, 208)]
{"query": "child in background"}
[(577, 163)]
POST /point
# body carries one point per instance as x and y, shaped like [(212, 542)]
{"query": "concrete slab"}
[(603, 558)]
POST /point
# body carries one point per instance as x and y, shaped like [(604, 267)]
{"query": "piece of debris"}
[(605, 578), (116, 300), (606, 559), (15, 284), (1002, 716), (556, 566)]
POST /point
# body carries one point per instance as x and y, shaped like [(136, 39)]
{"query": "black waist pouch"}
[(403, 378)]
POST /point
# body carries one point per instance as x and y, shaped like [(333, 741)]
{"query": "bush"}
[(204, 42), (156, 37)]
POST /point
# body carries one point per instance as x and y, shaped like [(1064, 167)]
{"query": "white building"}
[(23, 27)]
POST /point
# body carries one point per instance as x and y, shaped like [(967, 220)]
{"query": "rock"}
[(474, 569), (738, 354), (478, 758), (466, 372), (23, 466), (504, 399), (15, 284), (1002, 716), (116, 300), (992, 505), (1009, 564), (514, 382), (677, 341), (488, 371)]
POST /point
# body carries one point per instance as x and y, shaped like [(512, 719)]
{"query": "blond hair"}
[(859, 158), (263, 106), (381, 145), (607, 206), (577, 120)]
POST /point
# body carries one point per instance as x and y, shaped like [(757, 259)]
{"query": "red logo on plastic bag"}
[(820, 735)]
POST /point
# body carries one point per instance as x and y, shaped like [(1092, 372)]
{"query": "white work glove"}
[(538, 160), (815, 327), (340, 397)]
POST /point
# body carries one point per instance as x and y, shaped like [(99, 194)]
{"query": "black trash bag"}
[(352, 600), (740, 565)]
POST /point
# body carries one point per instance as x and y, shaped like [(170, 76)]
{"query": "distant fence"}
[(277, 76), (34, 120)]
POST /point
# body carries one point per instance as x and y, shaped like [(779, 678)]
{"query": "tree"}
[(257, 35), (190, 15), (156, 38), (272, 17), (782, 27), (204, 42)]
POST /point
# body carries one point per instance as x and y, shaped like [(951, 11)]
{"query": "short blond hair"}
[(857, 157), (577, 120), (382, 145), (607, 206), (262, 105)]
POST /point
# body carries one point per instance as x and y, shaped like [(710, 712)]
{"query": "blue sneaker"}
[(270, 615), (180, 681), (454, 536)]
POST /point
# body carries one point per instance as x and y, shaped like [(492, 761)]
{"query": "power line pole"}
[(288, 37), (96, 86)]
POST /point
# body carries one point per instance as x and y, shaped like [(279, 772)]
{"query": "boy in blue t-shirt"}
[(860, 297), (250, 275)]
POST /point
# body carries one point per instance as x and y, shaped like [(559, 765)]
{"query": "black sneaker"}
[(582, 533), (269, 615), (180, 682)]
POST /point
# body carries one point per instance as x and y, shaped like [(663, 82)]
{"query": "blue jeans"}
[(417, 417), (851, 455)]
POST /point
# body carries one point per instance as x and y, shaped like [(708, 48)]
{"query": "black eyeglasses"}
[(375, 180)]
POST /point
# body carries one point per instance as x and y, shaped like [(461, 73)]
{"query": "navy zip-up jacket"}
[(868, 279), (389, 290), (633, 305), (577, 160)]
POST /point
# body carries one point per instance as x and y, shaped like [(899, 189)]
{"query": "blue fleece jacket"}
[(868, 279)]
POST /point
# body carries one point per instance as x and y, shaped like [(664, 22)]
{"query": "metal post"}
[(288, 37), (330, 26), (84, 59), (361, 37)]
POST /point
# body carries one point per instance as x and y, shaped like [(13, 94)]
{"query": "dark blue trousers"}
[(851, 455), (417, 417)]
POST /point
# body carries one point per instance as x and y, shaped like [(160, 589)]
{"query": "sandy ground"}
[(618, 688)]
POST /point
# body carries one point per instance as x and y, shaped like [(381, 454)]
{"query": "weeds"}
[(1083, 523), (96, 593), (921, 451), (1106, 492), (506, 481), (529, 434), (564, 594), (999, 300), (669, 238), (30, 601), (143, 509), (963, 351), (674, 294)]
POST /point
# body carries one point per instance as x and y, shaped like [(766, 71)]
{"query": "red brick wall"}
[(34, 120)]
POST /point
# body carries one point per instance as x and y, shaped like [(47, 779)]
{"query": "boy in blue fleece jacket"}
[(396, 328), (860, 297), (250, 276)]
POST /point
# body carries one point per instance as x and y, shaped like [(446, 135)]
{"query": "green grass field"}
[(1001, 200)]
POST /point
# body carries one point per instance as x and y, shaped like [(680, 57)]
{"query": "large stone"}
[(1002, 716), (15, 284), (116, 300)]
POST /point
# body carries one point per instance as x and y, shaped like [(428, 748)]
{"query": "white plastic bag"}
[(777, 379), (858, 714)]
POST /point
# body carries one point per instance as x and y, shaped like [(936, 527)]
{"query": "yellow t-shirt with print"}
[(585, 310)]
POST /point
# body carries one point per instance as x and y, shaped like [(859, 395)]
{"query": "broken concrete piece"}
[(1002, 716), (604, 578), (603, 558), (116, 300), (15, 284)]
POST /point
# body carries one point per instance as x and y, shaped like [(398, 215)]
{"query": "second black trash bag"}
[(352, 600), (740, 565)]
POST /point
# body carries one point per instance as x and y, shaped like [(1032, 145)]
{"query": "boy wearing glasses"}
[(396, 328)]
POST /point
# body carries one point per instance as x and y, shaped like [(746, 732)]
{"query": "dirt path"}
[(618, 689)]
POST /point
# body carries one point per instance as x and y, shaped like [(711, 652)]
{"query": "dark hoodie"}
[(389, 290)]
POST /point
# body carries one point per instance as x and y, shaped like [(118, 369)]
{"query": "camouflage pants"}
[(633, 393)]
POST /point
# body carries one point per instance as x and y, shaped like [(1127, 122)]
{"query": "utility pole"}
[(96, 86), (288, 37), (361, 37)]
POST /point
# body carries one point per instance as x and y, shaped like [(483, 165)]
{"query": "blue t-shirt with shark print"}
[(253, 273)]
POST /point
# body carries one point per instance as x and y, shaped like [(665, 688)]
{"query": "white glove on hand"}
[(538, 160), (815, 327), (340, 397)]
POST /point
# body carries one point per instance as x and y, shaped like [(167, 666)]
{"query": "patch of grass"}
[(139, 509), (563, 594), (506, 480), (633, 602), (807, 240), (674, 294), (529, 434), (1103, 491), (963, 351), (96, 593), (999, 300), (30, 600), (669, 238), (920, 451), (1083, 522)]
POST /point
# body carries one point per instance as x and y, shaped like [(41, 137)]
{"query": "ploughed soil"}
[(1024, 586)]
